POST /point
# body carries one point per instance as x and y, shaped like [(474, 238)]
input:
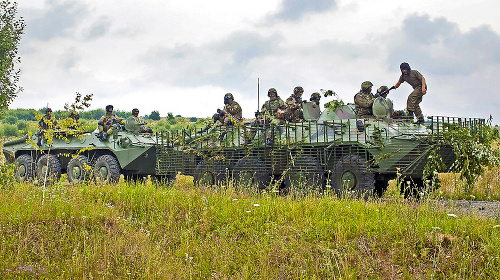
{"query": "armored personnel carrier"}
[(332, 148), (83, 155)]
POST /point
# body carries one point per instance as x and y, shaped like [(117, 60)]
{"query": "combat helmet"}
[(315, 96), (272, 90), (296, 90), (366, 85)]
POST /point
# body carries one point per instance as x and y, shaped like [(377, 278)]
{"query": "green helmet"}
[(366, 85), (382, 89), (315, 96), (228, 96), (272, 90), (297, 90)]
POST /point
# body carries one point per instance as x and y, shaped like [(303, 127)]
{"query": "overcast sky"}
[(183, 56)]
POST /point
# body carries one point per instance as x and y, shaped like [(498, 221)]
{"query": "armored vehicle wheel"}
[(79, 169), (107, 169), (208, 173), (48, 168), (25, 168), (381, 186), (250, 172), (305, 175), (351, 177)]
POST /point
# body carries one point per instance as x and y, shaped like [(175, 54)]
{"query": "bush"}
[(10, 130), (22, 125), (193, 119), (155, 116), (10, 119)]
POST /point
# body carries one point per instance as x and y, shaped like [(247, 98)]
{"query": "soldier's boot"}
[(104, 136), (420, 120), (410, 115)]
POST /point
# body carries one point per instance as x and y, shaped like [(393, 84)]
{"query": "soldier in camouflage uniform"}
[(233, 110), (274, 107), (141, 122), (48, 121), (315, 97), (364, 100), (417, 81), (108, 123), (294, 106)]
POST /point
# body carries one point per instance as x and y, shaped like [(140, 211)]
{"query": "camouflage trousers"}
[(413, 102)]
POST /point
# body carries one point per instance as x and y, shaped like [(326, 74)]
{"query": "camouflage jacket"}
[(364, 102), (47, 122), (109, 119), (234, 109), (271, 107), (294, 109)]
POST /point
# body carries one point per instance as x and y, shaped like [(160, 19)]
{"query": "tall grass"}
[(178, 231)]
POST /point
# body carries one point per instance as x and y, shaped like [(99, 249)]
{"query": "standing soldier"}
[(233, 110), (48, 121), (294, 106), (364, 100), (107, 124), (274, 107), (417, 81)]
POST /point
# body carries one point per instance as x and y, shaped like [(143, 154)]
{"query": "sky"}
[(184, 56)]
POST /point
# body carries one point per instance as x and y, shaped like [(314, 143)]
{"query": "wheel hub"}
[(103, 171), (76, 172), (348, 181), (21, 171)]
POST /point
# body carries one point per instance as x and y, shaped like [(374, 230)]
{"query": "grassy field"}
[(178, 231)]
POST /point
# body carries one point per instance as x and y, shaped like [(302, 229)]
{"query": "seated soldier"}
[(71, 121), (364, 100), (108, 123), (143, 129), (232, 109)]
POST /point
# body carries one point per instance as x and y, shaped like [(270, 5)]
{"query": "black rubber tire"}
[(25, 168), (48, 165), (79, 170), (209, 173), (107, 169), (250, 173), (305, 175), (352, 178), (381, 186)]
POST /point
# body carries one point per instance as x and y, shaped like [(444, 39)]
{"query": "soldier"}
[(233, 110), (135, 115), (274, 107), (364, 100), (71, 121), (48, 121), (108, 123), (315, 97), (417, 81), (294, 106)]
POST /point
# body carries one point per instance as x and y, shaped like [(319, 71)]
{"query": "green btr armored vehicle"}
[(332, 148), (83, 155)]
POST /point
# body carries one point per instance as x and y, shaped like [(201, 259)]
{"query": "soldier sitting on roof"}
[(108, 123)]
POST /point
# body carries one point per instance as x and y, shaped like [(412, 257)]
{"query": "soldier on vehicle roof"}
[(234, 113), (108, 123), (48, 121), (417, 81), (140, 121), (294, 106), (274, 107), (315, 97), (364, 99)]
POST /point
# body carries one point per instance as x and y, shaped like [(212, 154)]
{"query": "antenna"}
[(258, 94)]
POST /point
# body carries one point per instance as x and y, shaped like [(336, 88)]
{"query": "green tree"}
[(11, 29), (155, 116)]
